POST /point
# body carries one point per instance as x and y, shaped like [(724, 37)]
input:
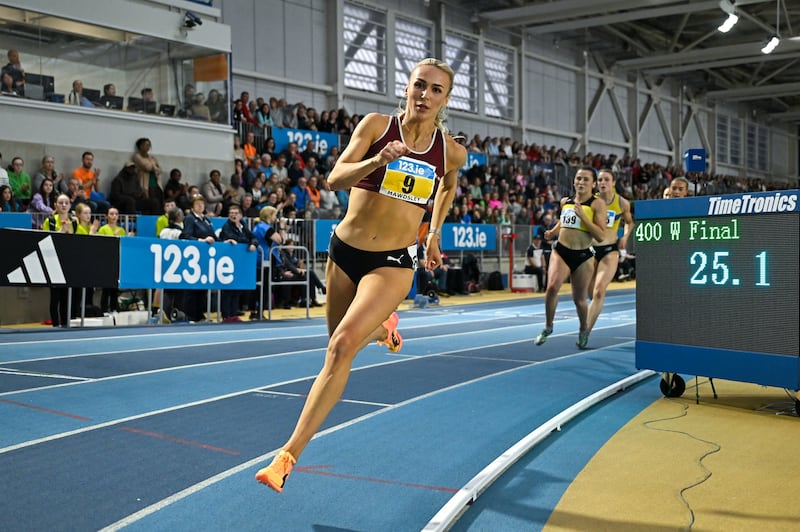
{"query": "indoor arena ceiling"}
[(678, 39)]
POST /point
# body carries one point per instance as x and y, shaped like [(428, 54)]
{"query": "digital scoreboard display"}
[(718, 286)]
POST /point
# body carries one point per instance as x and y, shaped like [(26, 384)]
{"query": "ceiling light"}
[(771, 45), (729, 23)]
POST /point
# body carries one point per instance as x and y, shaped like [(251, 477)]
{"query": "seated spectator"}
[(291, 268), (249, 208), (3, 173), (249, 147), (216, 107), (7, 86), (234, 232), (263, 116), (238, 151), (43, 203), (148, 169), (328, 202), (200, 110), (89, 179), (15, 71), (109, 98), (197, 226), (213, 193), (535, 261), (301, 195), (173, 189), (233, 195), (148, 100), (127, 194), (238, 169), (75, 193), (76, 96), (47, 171), (8, 203), (20, 181), (313, 191)]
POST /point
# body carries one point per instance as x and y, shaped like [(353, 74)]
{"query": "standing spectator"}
[(268, 237), (127, 195), (148, 169), (197, 226), (47, 171), (109, 298), (213, 193), (238, 151), (162, 222), (172, 299), (234, 232), (15, 72), (61, 222), (20, 181), (246, 115)]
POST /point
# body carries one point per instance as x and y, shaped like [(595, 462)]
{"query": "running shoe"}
[(275, 474), (583, 339), (542, 338), (393, 340)]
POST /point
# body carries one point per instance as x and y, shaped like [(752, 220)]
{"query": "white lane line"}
[(191, 490), (12, 371)]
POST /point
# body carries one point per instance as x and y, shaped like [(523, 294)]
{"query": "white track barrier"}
[(463, 498)]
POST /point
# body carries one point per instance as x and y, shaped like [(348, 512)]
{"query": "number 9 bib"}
[(409, 180)]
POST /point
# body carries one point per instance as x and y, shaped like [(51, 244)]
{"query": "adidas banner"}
[(41, 258), (158, 263)]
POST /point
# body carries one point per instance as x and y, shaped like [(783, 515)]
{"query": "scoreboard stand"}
[(717, 289)]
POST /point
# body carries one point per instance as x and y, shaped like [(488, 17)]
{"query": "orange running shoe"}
[(275, 474), (393, 340)]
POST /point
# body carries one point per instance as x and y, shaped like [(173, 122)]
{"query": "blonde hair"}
[(441, 116), (267, 213), (80, 207)]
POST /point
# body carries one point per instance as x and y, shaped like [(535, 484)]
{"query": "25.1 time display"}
[(715, 269)]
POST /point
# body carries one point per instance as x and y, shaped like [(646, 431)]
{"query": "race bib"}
[(409, 180), (611, 218), (570, 219)]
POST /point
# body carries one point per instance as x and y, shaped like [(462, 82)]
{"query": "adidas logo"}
[(34, 267)]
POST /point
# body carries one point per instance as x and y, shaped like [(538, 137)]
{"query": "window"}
[(722, 139), (751, 146), (461, 53), (413, 43), (498, 84), (762, 149), (117, 70), (364, 49), (736, 141)]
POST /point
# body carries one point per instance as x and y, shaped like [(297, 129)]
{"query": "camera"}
[(190, 20)]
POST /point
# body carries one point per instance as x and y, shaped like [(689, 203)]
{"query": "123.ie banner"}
[(186, 264)]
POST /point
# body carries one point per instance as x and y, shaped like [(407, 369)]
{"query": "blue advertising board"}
[(16, 220), (181, 264), (475, 159), (455, 237), (283, 136), (469, 237)]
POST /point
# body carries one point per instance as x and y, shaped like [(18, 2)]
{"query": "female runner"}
[(607, 251), (394, 165), (583, 218)]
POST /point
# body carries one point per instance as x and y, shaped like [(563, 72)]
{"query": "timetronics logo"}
[(748, 204)]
